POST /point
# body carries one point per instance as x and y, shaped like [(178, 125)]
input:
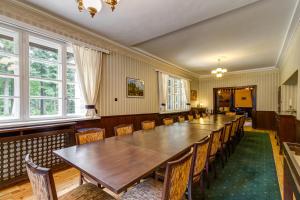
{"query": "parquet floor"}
[(67, 180)]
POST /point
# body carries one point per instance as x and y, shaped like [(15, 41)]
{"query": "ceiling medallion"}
[(219, 71), (95, 6)]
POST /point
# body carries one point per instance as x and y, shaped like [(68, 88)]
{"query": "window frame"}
[(24, 78)]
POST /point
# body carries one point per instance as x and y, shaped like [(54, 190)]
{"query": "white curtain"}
[(187, 90), (163, 90), (89, 65)]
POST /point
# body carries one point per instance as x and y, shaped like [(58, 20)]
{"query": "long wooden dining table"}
[(119, 162)]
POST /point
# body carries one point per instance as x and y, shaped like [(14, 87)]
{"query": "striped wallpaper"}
[(267, 87), (288, 93), (116, 69)]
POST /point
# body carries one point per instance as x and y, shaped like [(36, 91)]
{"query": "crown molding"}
[(196, 75), (290, 33), (111, 42), (263, 69)]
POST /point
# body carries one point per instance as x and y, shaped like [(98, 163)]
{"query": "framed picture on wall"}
[(135, 88), (193, 95)]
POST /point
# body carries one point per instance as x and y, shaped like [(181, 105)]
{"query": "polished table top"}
[(118, 162)]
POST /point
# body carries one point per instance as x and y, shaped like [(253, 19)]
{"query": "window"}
[(75, 103), (9, 75), (176, 97), (49, 87), (45, 79)]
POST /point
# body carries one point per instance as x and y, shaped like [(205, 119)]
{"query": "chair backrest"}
[(234, 127), (216, 136), (123, 129), (176, 178), (41, 180), (190, 117), (200, 155), (168, 121), (181, 118), (146, 125), (197, 116), (227, 132), (89, 136), (242, 122)]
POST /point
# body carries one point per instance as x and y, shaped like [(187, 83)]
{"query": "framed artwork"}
[(135, 88), (193, 95)]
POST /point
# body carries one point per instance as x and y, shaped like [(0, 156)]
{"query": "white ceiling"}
[(191, 34)]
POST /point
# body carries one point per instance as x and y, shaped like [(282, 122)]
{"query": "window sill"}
[(44, 122)]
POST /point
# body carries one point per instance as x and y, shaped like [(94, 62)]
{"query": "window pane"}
[(9, 65), (70, 91), (70, 58), (71, 74), (9, 108), (75, 106), (39, 51), (43, 89), (42, 70), (7, 43), (44, 107), (7, 86)]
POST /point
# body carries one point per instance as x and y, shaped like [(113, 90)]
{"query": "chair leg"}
[(222, 156), (190, 189), (206, 174), (214, 168)]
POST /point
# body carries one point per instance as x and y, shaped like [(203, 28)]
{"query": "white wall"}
[(290, 63), (267, 87)]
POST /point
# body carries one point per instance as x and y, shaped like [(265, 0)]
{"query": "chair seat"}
[(87, 192), (149, 189)]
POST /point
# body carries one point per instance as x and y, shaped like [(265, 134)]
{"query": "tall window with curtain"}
[(174, 93)]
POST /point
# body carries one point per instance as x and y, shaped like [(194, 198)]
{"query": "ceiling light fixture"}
[(219, 71), (95, 6)]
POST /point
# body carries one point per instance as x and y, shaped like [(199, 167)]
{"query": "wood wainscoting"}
[(298, 131), (264, 120), (109, 122)]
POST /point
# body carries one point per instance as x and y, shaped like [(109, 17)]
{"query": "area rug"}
[(250, 173)]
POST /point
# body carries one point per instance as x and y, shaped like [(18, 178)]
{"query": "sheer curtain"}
[(187, 90), (163, 90), (89, 65)]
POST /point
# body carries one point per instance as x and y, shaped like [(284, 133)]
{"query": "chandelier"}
[(219, 71), (95, 6)]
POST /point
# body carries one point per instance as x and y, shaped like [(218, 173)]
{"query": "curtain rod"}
[(55, 36), (174, 75)]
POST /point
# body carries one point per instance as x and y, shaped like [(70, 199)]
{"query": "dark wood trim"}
[(264, 120)]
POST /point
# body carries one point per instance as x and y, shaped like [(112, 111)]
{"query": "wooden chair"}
[(199, 164), (147, 125), (226, 139), (174, 186), (123, 129), (190, 117), (43, 186), (216, 139), (241, 126), (168, 121), (84, 136), (181, 118), (233, 134), (197, 116)]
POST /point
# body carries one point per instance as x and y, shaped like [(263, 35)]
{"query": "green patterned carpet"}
[(249, 173)]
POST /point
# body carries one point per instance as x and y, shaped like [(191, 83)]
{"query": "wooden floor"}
[(68, 179)]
